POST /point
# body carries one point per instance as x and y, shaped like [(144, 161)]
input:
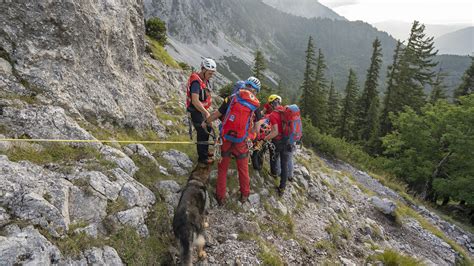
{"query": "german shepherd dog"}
[(190, 217)]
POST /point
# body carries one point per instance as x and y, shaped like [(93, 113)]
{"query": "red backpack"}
[(291, 120), (238, 118)]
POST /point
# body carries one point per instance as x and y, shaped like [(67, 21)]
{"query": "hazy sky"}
[(426, 11)]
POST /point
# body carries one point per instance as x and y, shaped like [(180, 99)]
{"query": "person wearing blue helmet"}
[(237, 148), (253, 83)]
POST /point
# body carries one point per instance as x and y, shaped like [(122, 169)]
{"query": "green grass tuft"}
[(57, 153), (337, 233), (394, 258), (118, 205), (158, 52)]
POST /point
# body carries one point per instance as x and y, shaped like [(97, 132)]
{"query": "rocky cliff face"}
[(85, 57), (66, 68)]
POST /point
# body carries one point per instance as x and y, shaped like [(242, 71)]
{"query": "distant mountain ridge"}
[(304, 8), (400, 29), (231, 31), (460, 42)]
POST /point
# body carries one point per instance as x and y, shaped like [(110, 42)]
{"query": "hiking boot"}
[(280, 191), (207, 161), (220, 202), (243, 199)]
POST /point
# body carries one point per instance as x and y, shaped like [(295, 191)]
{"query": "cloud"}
[(338, 3)]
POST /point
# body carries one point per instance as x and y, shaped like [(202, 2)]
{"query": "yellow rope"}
[(104, 141)]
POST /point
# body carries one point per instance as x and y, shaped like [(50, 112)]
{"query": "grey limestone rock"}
[(169, 190), (140, 150), (4, 217), (254, 199), (102, 256), (168, 186), (120, 158), (102, 184), (384, 205), (179, 161), (35, 194), (134, 217), (27, 246), (43, 122), (91, 230), (4, 145)]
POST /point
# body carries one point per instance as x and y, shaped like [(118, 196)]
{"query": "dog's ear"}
[(206, 169), (200, 170)]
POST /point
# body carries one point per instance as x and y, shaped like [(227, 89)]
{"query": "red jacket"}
[(275, 119)]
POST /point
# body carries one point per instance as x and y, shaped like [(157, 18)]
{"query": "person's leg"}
[(290, 164), (275, 168), (284, 157), (240, 151), (202, 149), (222, 171), (256, 160)]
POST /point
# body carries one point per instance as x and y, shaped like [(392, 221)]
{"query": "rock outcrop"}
[(86, 57)]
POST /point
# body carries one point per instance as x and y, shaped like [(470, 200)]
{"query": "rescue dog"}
[(189, 219)]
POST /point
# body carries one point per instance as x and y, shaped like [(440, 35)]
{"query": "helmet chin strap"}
[(275, 103)]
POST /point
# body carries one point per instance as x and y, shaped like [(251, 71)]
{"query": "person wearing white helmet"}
[(198, 102)]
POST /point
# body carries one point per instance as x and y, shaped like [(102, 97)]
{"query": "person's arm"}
[(258, 124), (213, 117), (198, 105), (195, 90), (273, 133), (217, 113)]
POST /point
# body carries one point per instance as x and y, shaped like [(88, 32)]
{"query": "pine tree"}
[(307, 89), (259, 65), (373, 143), (467, 85), (369, 98), (390, 99), (439, 89), (347, 119), (333, 109), (319, 102), (258, 69), (279, 90), (416, 66)]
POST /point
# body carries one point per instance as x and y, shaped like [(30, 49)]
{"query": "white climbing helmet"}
[(254, 82), (209, 64)]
